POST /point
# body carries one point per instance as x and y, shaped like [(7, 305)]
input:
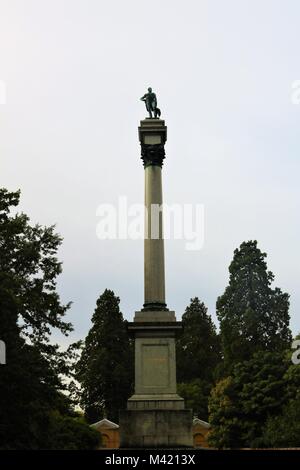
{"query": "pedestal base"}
[(155, 365), (171, 401), (155, 428), (155, 415)]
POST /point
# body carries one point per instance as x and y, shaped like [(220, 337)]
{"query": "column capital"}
[(152, 136)]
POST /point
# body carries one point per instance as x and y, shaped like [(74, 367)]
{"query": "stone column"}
[(155, 415), (153, 135), (154, 266)]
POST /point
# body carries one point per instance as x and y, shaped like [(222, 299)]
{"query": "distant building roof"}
[(104, 424), (202, 423)]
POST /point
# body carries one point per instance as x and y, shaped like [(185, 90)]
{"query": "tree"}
[(253, 316), (70, 433), (197, 357), (30, 382), (198, 348), (224, 415), (105, 369), (195, 394), (284, 430), (241, 403)]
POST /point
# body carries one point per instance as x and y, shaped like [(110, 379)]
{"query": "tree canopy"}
[(241, 403), (105, 368), (253, 316), (31, 382), (198, 355), (198, 347)]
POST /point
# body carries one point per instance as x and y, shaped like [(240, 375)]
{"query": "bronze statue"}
[(151, 104)]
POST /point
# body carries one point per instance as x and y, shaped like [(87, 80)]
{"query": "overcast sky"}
[(223, 71)]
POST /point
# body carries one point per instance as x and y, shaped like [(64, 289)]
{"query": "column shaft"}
[(154, 265)]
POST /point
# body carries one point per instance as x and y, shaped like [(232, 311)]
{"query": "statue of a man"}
[(151, 103)]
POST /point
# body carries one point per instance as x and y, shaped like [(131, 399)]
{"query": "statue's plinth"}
[(156, 429), (155, 415), (155, 367)]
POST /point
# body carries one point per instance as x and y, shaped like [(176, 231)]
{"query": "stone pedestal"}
[(155, 415), (156, 428), (155, 364)]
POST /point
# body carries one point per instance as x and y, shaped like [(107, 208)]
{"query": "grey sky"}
[(222, 70)]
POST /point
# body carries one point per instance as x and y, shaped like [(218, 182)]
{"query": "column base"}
[(156, 306), (155, 429), (155, 316), (163, 401)]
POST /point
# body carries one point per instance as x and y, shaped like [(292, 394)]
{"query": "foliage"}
[(105, 369), (240, 404), (69, 433), (253, 316), (30, 308), (197, 357), (198, 347), (284, 430), (224, 415), (195, 394)]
